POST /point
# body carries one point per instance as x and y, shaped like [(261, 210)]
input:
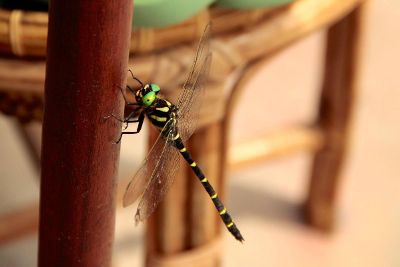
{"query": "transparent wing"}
[(193, 89), (154, 177), (189, 113), (143, 175), (161, 180), (141, 179)]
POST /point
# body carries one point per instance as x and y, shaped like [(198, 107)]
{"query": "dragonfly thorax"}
[(160, 112)]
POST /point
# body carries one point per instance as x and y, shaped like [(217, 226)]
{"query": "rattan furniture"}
[(243, 41)]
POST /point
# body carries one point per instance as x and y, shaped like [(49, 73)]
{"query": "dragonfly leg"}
[(136, 79), (131, 118), (127, 119), (130, 89), (140, 124), (125, 99), (113, 116)]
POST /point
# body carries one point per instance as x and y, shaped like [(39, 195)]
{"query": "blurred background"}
[(265, 198)]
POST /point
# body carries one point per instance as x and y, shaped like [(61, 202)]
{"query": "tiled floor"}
[(265, 198)]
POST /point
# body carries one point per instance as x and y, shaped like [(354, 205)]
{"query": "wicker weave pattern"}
[(26, 107), (25, 33)]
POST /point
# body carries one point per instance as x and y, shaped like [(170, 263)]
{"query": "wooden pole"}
[(88, 44), (336, 108)]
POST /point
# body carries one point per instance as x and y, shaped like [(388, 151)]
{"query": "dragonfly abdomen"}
[(225, 216)]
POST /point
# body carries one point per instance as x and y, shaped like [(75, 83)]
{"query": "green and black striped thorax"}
[(158, 110)]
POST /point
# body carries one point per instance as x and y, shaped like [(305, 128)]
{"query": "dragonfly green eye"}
[(149, 98), (155, 87)]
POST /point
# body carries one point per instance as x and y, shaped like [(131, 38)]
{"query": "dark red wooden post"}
[(88, 44)]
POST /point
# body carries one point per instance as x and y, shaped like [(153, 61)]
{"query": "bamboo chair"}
[(172, 240)]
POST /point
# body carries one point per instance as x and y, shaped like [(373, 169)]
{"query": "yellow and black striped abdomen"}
[(225, 216)]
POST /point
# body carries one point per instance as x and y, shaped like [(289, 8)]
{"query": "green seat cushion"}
[(159, 13), (163, 13)]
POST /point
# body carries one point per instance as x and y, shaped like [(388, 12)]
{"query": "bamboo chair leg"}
[(336, 106)]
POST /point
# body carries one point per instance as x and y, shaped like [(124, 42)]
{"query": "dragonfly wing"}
[(161, 180), (189, 113), (156, 174), (193, 88), (142, 177)]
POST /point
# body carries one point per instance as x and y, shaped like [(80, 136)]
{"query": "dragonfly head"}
[(147, 94)]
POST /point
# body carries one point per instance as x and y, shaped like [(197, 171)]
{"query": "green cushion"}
[(162, 13)]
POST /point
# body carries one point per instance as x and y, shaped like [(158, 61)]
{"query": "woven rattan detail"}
[(143, 40), (15, 32), (229, 53), (24, 106), (198, 256), (202, 19)]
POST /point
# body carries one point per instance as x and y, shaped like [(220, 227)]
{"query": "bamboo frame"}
[(335, 114), (275, 144), (238, 58), (289, 140)]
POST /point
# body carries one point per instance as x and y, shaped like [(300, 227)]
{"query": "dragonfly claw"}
[(118, 141), (112, 116)]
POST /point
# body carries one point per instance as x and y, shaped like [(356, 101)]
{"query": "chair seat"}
[(160, 13), (229, 50), (163, 13)]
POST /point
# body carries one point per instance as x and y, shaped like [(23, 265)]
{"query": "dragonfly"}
[(175, 123)]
